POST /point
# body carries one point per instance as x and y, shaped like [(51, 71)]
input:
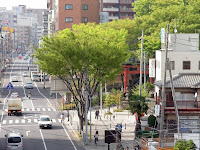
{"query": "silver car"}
[(25, 74), (14, 141), (29, 85)]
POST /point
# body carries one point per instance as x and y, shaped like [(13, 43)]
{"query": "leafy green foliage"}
[(109, 101), (184, 145), (137, 104), (89, 48), (152, 121), (149, 86), (145, 93)]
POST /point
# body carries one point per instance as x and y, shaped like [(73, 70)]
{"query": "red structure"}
[(132, 70)]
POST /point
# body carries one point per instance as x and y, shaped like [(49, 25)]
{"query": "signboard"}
[(110, 136), (57, 85), (10, 86), (157, 110), (163, 35), (152, 68)]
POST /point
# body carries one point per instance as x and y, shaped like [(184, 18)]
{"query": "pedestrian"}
[(96, 137), (137, 147), (127, 148), (97, 114), (62, 117), (29, 95), (28, 68)]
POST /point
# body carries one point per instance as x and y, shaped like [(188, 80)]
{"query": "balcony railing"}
[(111, 9), (110, 1)]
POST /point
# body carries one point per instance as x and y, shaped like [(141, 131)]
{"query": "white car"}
[(14, 95), (29, 85), (45, 122), (14, 79), (25, 74)]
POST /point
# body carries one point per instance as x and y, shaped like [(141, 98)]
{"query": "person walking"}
[(29, 95), (127, 148), (62, 118), (96, 137), (97, 114)]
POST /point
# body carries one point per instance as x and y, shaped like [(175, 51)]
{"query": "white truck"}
[(14, 106), (35, 76)]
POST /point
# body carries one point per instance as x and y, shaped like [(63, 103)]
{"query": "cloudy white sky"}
[(38, 4)]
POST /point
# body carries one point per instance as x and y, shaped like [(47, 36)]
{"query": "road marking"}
[(49, 109), (33, 109), (8, 126), (53, 120), (59, 120), (29, 120), (10, 121), (38, 109), (27, 132), (2, 115), (35, 120), (27, 109), (16, 121), (23, 120), (22, 109), (4, 122), (69, 137), (6, 110), (45, 147), (43, 109)]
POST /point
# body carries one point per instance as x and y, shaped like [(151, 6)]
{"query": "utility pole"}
[(141, 68), (145, 71), (86, 106), (163, 89), (101, 102)]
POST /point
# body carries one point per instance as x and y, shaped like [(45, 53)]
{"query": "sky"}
[(38, 4)]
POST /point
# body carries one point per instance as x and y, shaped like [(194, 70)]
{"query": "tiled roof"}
[(183, 80)]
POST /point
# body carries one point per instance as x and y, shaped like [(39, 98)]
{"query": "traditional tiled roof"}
[(183, 80)]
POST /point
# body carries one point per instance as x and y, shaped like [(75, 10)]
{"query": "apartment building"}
[(69, 12), (117, 9)]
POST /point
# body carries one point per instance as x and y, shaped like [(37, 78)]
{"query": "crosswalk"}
[(26, 121), (36, 109)]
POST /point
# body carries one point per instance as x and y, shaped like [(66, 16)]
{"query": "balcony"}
[(110, 1), (113, 17), (126, 10), (111, 9)]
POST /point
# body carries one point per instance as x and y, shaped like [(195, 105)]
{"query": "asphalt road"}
[(34, 138)]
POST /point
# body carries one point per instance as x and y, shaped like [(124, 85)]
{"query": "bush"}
[(152, 121), (184, 145), (108, 113), (118, 110)]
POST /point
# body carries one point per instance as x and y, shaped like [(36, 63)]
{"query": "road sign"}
[(10, 86)]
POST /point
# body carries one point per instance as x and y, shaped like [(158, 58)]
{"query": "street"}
[(39, 104)]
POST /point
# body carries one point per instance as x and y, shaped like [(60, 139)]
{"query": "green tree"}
[(184, 145), (152, 121), (144, 93), (118, 97), (84, 49), (109, 101)]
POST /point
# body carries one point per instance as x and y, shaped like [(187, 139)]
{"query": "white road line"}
[(43, 109), (53, 120), (23, 120), (4, 121), (35, 120), (69, 137), (45, 147), (38, 109), (49, 109), (8, 126), (4, 102), (45, 97), (27, 109), (10, 121), (16, 121), (59, 120), (6, 110), (33, 109), (29, 120)]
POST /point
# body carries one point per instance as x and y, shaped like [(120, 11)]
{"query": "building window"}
[(85, 19), (68, 6), (186, 65), (85, 7), (69, 19)]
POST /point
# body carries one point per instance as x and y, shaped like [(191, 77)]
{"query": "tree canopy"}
[(85, 50), (151, 16)]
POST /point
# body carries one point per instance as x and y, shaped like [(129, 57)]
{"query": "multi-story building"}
[(117, 9), (69, 12), (184, 58)]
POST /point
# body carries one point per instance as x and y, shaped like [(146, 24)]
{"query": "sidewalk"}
[(105, 123)]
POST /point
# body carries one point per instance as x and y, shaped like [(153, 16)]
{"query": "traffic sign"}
[(10, 86)]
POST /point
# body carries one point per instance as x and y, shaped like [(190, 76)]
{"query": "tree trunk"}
[(80, 124)]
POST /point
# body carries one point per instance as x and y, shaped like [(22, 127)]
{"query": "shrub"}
[(152, 121), (118, 110)]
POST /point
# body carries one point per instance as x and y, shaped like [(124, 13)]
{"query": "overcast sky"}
[(38, 4)]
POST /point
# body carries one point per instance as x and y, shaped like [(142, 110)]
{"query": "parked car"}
[(45, 122), (14, 141), (14, 95), (14, 79), (25, 74), (29, 85)]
